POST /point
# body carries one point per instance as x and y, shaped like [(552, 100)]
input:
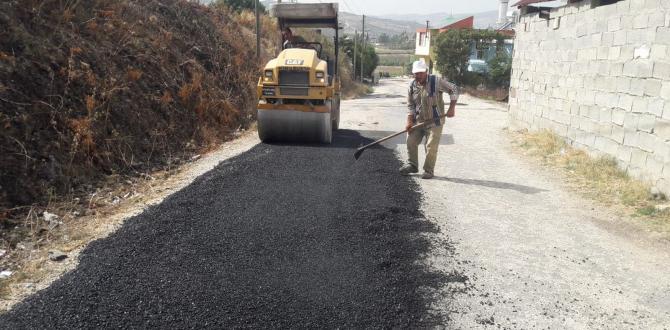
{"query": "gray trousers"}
[(415, 137)]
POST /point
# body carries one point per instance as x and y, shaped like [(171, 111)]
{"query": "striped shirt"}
[(419, 104)]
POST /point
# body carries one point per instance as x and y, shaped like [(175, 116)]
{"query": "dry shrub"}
[(83, 135), (93, 89), (90, 104), (600, 177), (134, 74), (166, 99)]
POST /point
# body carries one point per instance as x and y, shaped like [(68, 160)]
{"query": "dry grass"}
[(356, 89), (598, 178), (95, 217)]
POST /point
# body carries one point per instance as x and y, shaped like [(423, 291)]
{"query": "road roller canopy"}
[(306, 15)]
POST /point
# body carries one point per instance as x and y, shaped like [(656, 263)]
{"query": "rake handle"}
[(360, 150)]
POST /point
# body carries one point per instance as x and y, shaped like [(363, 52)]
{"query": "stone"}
[(665, 90), (5, 274), (662, 129), (638, 158), (2, 253), (642, 52), (627, 53), (662, 70), (623, 84), (659, 52), (655, 107), (636, 87), (652, 87), (656, 19), (630, 138), (55, 255), (662, 35), (655, 165), (613, 53), (616, 70), (49, 217), (640, 105), (624, 154), (646, 141), (641, 21), (646, 123), (617, 134), (618, 116), (620, 38), (629, 69), (614, 24), (625, 102)]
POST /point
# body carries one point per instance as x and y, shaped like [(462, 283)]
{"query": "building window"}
[(422, 39)]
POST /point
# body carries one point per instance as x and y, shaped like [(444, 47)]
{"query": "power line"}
[(346, 4)]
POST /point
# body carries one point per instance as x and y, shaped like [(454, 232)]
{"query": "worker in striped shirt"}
[(425, 103)]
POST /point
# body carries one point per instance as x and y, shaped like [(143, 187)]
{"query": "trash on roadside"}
[(49, 217), (55, 255)]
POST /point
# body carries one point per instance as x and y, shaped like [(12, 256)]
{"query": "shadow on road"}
[(494, 184), (447, 139)]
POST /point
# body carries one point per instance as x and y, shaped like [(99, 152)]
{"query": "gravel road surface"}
[(536, 254), (289, 236), (280, 236)]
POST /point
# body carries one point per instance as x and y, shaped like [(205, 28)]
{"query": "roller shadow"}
[(493, 184), (342, 138)]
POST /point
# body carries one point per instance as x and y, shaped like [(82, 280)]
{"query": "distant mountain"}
[(483, 20), (376, 26)]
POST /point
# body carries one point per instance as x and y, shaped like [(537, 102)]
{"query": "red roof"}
[(465, 23), (528, 2)]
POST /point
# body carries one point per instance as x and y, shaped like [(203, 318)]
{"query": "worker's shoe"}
[(408, 169), (427, 175)]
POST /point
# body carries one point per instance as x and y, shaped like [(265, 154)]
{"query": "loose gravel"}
[(280, 236)]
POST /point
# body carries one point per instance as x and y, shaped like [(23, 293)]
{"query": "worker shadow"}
[(528, 190), (382, 96)]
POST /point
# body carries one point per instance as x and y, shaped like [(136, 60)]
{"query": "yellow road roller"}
[(299, 91)]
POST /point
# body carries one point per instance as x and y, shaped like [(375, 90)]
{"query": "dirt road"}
[(304, 236), (535, 254)]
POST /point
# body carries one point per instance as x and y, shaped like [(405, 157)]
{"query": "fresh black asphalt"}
[(282, 236)]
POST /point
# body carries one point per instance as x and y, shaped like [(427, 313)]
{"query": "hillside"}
[(483, 20), (376, 26), (97, 88)]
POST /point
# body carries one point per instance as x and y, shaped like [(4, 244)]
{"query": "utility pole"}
[(425, 42), (363, 49), (258, 31), (355, 51)]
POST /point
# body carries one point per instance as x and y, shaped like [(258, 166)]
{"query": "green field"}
[(394, 71)]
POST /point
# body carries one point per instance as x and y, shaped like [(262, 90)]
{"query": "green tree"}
[(384, 38), (500, 70), (368, 55), (239, 5), (452, 50)]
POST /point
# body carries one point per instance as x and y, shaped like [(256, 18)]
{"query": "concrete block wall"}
[(600, 77)]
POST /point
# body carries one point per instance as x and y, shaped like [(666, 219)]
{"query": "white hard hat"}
[(419, 66)]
